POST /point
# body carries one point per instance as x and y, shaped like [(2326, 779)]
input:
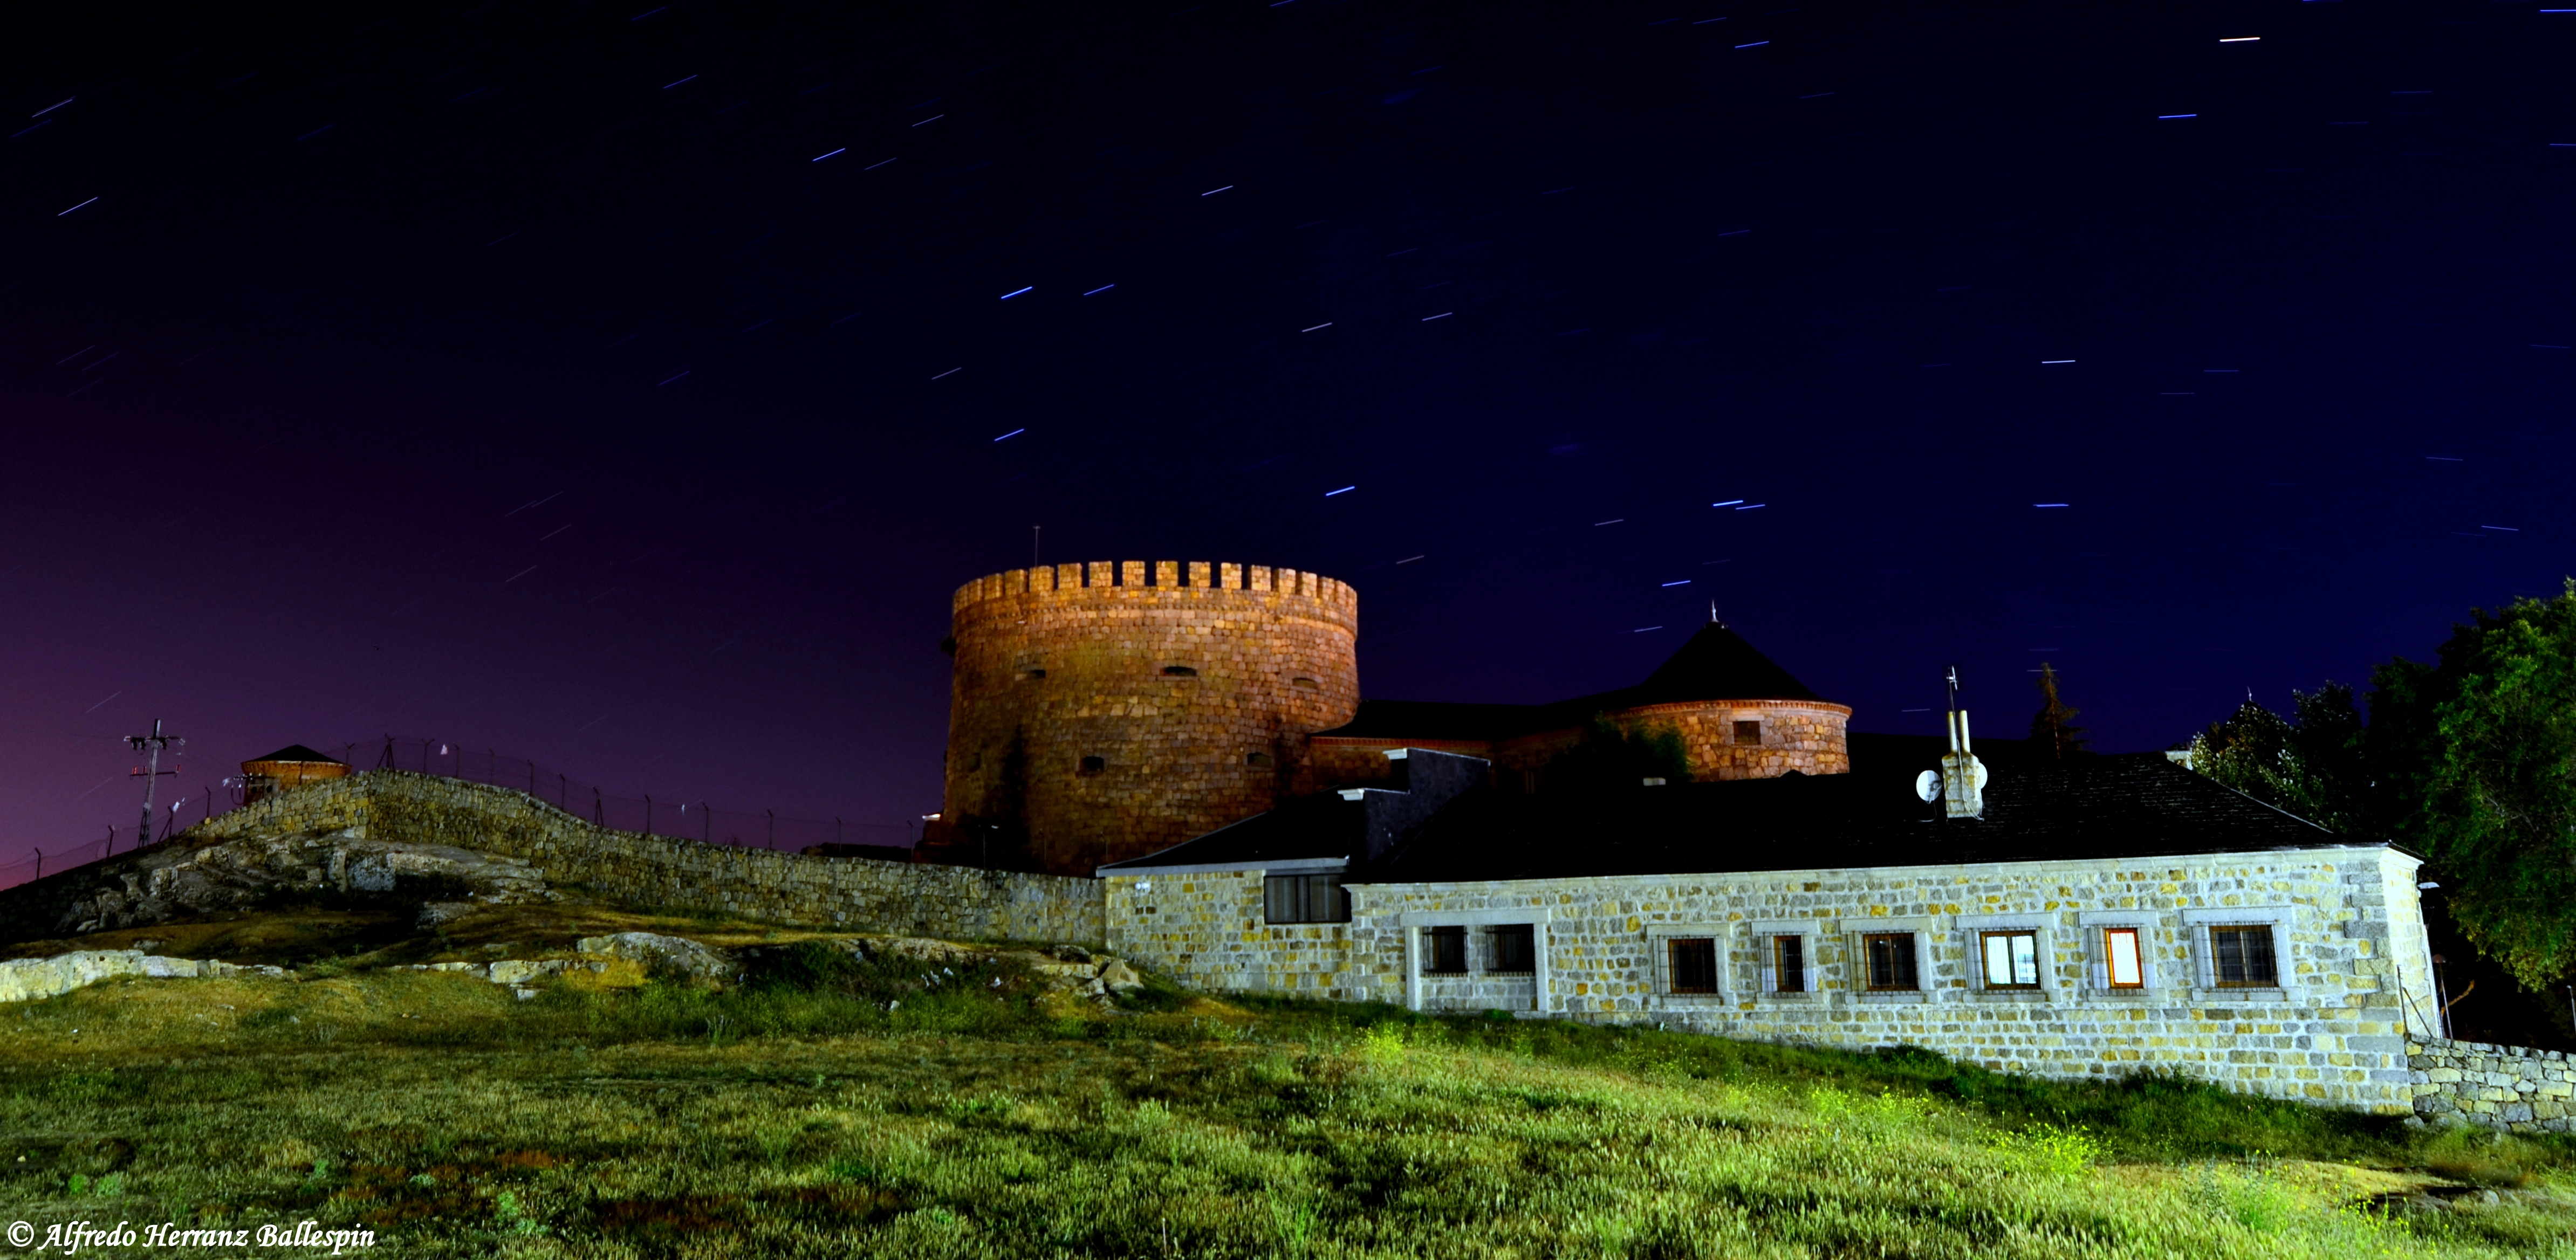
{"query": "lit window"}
[(1307, 683), (1748, 732), (2126, 967), (1789, 964), (1694, 962), (1305, 899), (2241, 956), (2011, 959), (1515, 949), (1891, 960), (1448, 951)]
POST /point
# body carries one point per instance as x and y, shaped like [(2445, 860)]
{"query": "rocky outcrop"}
[(180, 881), (668, 954), (31, 979)]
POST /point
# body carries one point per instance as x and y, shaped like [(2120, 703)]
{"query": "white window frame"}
[(1659, 956), (2097, 959), (1765, 959), (1972, 929), (2197, 920), (1856, 934)]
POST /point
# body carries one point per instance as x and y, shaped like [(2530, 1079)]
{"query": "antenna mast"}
[(150, 772)]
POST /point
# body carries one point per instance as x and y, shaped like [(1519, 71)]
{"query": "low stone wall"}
[(915, 899), (2495, 1087)]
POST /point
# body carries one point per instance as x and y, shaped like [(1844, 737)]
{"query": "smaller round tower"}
[(1095, 715)]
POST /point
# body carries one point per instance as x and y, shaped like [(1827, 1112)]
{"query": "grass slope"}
[(803, 1117)]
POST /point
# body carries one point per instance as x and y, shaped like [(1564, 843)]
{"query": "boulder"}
[(661, 953), (31, 979)]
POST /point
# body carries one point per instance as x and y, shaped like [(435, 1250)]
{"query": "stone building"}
[(1102, 711), (2091, 917)]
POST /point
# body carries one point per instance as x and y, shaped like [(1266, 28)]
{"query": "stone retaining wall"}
[(2496, 1087), (915, 899)]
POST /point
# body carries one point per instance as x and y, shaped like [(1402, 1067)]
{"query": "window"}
[(1515, 949), (1256, 759), (1748, 732), (1305, 899), (1694, 961), (2011, 958), (1890, 957), (1446, 950), (1179, 671), (1788, 964), (2240, 956), (1093, 765), (2123, 965), (1034, 673), (1307, 683)]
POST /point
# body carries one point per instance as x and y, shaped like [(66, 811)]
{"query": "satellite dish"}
[(1928, 785)]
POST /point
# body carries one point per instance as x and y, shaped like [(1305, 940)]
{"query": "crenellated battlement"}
[(1168, 577), (1105, 710)]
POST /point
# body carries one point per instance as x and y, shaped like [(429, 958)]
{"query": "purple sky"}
[(622, 389)]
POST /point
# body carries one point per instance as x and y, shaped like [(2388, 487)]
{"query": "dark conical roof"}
[(1717, 664), (298, 752)]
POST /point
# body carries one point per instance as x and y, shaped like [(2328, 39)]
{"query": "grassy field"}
[(985, 1115)]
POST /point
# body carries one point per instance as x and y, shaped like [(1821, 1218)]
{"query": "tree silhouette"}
[(2053, 727)]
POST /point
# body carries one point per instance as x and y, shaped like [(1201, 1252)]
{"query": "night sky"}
[(627, 387)]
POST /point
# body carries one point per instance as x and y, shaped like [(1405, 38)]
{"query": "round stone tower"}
[(1096, 716)]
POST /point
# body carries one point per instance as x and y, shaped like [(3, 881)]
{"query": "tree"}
[(2312, 764), (1614, 756), (2476, 759), (2053, 727)]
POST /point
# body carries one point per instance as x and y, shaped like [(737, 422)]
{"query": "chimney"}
[(1963, 777)]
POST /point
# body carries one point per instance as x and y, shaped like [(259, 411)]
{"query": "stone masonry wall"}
[(2494, 1087), (944, 901), (1056, 665), (1806, 736), (2336, 1030)]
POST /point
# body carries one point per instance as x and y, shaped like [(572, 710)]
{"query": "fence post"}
[(40, 863), (598, 809), (706, 824), (836, 828), (532, 776)]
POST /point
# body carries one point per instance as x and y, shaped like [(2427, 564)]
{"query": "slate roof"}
[(298, 752), (1319, 826), (2037, 809), (1715, 664), (2131, 805)]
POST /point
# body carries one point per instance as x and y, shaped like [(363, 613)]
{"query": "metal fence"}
[(649, 814)]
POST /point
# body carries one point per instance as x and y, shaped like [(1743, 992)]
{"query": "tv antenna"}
[(151, 772)]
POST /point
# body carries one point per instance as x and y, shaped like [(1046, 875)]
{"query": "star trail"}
[(323, 334)]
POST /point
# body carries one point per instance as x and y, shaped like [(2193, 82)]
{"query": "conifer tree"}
[(2053, 727)]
